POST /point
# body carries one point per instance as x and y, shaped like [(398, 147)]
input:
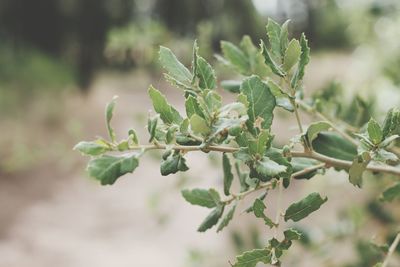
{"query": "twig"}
[(392, 248)]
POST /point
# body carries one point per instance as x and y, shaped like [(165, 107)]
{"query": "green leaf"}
[(333, 145), (258, 209), (193, 107), (109, 114), (231, 86), (261, 197), (304, 207), (107, 169), (93, 148), (269, 168), (228, 176), (270, 62), (374, 131), (199, 125), (392, 121), (282, 98), (357, 169), (261, 103), (236, 57), (391, 193), (174, 163), (274, 37), (174, 67), (315, 128), (300, 164), (199, 197), (256, 60), (252, 257), (292, 55), (304, 59), (259, 145), (152, 127), (227, 218), (168, 113), (284, 37), (205, 73), (292, 234), (212, 219)]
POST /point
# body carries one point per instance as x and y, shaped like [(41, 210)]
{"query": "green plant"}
[(241, 132)]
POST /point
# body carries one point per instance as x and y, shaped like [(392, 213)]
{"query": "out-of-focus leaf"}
[(109, 114), (391, 193), (212, 219), (333, 145), (227, 218), (228, 176), (252, 257), (92, 148)]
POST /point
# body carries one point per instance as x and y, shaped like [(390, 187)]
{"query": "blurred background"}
[(62, 60)]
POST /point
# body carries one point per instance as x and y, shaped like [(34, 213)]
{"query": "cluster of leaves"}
[(271, 77)]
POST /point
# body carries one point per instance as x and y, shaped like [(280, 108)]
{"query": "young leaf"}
[(282, 98), (251, 258), (109, 114), (236, 58), (315, 128), (228, 176), (152, 127), (193, 107), (304, 207), (199, 125), (256, 60), (174, 67), (93, 148), (226, 220), (199, 197), (391, 193), (284, 36), (174, 163), (333, 145), (374, 131), (391, 122), (357, 169), (261, 102), (212, 219), (292, 55), (259, 145), (274, 37), (168, 114), (270, 62), (304, 59), (205, 73), (107, 169)]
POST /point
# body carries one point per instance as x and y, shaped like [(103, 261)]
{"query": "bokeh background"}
[(62, 60)]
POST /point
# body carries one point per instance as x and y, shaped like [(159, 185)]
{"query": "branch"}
[(391, 250)]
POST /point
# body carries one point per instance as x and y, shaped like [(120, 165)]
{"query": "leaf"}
[(212, 219), (199, 197), (261, 102), (252, 257), (236, 57), (228, 176), (300, 164), (391, 193), (232, 86), (282, 98), (284, 36), (256, 60), (261, 197), (333, 145), (357, 169), (174, 163), (258, 209), (259, 145), (174, 67), (205, 73), (304, 207), (274, 37), (152, 127), (292, 234), (109, 114), (388, 140), (374, 131), (199, 125), (269, 168), (168, 113), (304, 59), (270, 62), (107, 169), (193, 107), (315, 128), (292, 55), (226, 220), (93, 148), (392, 121)]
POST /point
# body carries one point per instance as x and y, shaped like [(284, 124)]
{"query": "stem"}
[(278, 208), (391, 250), (296, 112)]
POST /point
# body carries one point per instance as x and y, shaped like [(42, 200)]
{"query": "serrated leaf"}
[(333, 145), (193, 107), (236, 57), (174, 163), (391, 193), (304, 59), (292, 55), (374, 130), (109, 114), (212, 219), (212, 100), (270, 62), (269, 168), (274, 37), (174, 67), (261, 102), (304, 207), (282, 98), (251, 258), (93, 148), (228, 176), (258, 209), (392, 121), (199, 125), (227, 218), (205, 73), (315, 128), (292, 234), (284, 36), (107, 169), (199, 197), (256, 60), (259, 145), (168, 113)]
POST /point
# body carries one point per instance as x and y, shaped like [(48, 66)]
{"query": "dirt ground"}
[(53, 215)]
